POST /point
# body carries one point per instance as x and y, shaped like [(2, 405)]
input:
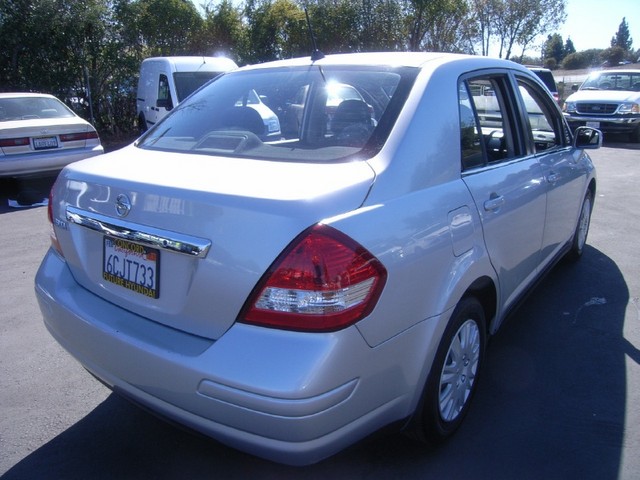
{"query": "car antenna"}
[(315, 54)]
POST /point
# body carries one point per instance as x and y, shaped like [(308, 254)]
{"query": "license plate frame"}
[(45, 143), (131, 265), (593, 124)]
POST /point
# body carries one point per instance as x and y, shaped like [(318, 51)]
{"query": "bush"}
[(580, 60)]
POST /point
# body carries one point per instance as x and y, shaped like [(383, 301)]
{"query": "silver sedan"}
[(290, 295)]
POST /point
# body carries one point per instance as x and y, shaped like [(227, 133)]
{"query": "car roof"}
[(24, 94), (393, 59)]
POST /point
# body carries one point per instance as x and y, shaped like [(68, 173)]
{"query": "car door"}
[(505, 181), (563, 173)]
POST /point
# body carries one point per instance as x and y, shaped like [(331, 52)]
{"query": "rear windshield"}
[(28, 108), (300, 114), (547, 78)]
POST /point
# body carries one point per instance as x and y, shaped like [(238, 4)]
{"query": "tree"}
[(163, 27), (554, 48), (435, 25), (381, 26), (275, 30), (622, 37), (522, 21), (513, 22), (223, 31), (336, 25), (568, 47)]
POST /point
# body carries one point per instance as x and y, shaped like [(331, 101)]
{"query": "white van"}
[(166, 81)]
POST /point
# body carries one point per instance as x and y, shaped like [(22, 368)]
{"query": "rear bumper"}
[(289, 397), (28, 164)]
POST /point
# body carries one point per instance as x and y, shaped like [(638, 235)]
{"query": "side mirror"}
[(575, 87), (587, 137)]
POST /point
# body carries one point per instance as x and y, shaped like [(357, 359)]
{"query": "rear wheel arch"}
[(484, 290), (452, 380)]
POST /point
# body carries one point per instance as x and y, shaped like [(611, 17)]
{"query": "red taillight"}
[(55, 244), (323, 281), (74, 137), (14, 142)]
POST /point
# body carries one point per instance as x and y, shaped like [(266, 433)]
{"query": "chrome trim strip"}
[(154, 237)]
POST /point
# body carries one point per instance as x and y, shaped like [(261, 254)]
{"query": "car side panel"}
[(511, 201), (430, 242), (565, 175)]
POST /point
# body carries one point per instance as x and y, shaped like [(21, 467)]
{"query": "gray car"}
[(289, 296)]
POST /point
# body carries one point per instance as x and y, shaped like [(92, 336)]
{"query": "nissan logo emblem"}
[(123, 205)]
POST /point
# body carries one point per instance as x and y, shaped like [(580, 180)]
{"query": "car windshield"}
[(306, 113), (613, 80), (29, 108)]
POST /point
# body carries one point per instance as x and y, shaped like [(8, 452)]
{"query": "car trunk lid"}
[(209, 226), (45, 134)]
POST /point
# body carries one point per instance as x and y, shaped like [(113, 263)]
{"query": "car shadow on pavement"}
[(550, 404), (24, 193)]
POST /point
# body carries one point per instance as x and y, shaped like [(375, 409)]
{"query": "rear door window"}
[(487, 132)]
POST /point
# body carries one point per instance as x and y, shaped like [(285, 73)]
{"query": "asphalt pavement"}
[(559, 399)]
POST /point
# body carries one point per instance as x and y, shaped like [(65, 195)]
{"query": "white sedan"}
[(39, 134), (290, 294)]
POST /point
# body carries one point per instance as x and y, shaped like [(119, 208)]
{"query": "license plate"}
[(43, 143), (593, 124), (132, 266)]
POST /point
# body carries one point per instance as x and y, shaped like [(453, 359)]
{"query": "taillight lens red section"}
[(323, 281), (74, 137), (14, 142), (55, 244)]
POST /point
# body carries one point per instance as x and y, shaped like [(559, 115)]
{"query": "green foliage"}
[(613, 56), (554, 49), (568, 47), (90, 51), (622, 38), (584, 59)]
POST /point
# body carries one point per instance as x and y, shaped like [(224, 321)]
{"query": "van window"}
[(164, 94)]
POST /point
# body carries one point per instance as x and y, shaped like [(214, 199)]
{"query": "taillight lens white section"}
[(323, 281)]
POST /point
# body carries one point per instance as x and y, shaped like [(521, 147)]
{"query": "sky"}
[(592, 23)]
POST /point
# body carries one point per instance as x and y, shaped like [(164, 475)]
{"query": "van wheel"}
[(142, 124), (453, 379)]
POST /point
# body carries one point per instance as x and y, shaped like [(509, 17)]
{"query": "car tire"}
[(454, 374), (582, 228), (635, 135)]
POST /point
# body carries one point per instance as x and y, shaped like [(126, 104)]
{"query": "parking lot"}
[(559, 399)]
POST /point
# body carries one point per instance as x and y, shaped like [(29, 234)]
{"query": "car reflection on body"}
[(40, 135), (289, 295)]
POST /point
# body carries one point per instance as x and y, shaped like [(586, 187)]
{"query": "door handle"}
[(494, 203), (553, 177)]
